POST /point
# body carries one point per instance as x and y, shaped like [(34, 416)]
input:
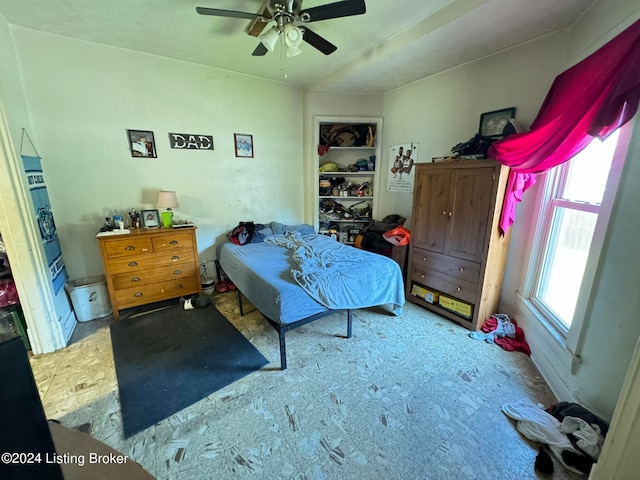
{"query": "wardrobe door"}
[(431, 209), (471, 193)]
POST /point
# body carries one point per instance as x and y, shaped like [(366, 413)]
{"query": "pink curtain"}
[(592, 98)]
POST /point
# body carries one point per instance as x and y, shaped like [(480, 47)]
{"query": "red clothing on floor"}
[(510, 344)]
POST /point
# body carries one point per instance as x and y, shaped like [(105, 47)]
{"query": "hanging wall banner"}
[(401, 171), (44, 216)]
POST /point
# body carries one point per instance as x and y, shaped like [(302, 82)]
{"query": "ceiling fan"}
[(290, 23)]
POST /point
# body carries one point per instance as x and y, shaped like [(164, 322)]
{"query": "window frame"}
[(551, 181)]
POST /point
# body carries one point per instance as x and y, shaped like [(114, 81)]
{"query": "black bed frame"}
[(282, 328)]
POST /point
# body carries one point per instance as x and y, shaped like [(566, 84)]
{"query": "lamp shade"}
[(270, 38), (167, 199)]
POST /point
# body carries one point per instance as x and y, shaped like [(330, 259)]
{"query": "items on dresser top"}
[(147, 266)]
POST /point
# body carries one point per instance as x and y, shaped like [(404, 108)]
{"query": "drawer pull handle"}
[(444, 212), (462, 269), (175, 257), (424, 259), (133, 264), (177, 272), (130, 247), (137, 294), (135, 279), (173, 242), (450, 213), (179, 286), (422, 276), (458, 288)]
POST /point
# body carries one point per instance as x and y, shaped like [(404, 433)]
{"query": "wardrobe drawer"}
[(456, 287), (127, 247), (154, 292), (149, 261), (457, 268), (155, 275), (176, 241)]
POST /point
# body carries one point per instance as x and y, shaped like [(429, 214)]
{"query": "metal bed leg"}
[(240, 303), (349, 322), (283, 351)]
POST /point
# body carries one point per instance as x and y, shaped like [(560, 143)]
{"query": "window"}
[(569, 213)]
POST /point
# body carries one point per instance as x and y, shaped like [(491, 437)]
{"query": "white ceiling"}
[(395, 43)]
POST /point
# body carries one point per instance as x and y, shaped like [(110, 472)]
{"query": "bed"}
[(294, 276)]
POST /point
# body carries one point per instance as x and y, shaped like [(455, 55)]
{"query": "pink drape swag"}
[(592, 98)]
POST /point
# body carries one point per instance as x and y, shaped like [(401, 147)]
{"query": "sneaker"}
[(221, 286)]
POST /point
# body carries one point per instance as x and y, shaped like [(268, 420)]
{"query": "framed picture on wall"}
[(492, 123), (150, 218), (244, 145), (142, 143)]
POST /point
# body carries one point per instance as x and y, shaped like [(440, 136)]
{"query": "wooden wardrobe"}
[(457, 255)]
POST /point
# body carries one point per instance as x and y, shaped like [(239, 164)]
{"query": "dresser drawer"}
[(176, 241), (450, 275), (454, 267), (154, 292), (143, 277), (149, 261), (445, 284), (127, 247)]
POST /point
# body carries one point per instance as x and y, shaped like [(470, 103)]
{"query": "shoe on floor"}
[(221, 286), (230, 284)]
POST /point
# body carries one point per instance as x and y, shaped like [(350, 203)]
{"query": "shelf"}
[(345, 220), (340, 174), (346, 198), (364, 135)]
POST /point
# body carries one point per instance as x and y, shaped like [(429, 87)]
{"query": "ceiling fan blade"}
[(345, 8), (318, 42), (226, 13), (260, 50)]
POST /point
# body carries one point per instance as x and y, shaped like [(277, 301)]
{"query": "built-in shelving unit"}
[(348, 156)]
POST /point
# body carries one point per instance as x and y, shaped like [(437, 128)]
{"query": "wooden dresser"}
[(457, 255), (147, 266)]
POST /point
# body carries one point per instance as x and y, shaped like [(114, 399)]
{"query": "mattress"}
[(262, 272)]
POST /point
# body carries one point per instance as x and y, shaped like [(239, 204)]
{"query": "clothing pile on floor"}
[(572, 433), (503, 331)]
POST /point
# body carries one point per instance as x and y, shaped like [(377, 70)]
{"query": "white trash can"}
[(90, 297)]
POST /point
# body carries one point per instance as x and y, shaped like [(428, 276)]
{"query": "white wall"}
[(441, 111), (83, 97)]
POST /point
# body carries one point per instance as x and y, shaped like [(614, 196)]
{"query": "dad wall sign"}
[(190, 141)]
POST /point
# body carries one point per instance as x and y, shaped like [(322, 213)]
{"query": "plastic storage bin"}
[(90, 297)]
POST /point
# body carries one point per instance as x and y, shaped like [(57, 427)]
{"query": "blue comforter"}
[(342, 277)]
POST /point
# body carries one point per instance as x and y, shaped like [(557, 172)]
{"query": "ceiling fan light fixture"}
[(293, 51), (292, 36), (270, 38)]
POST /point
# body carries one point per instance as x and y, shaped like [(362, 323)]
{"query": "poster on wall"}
[(44, 217), (401, 172)]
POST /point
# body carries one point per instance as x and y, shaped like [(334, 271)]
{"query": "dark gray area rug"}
[(171, 358)]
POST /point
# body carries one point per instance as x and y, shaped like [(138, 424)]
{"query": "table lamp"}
[(168, 200)]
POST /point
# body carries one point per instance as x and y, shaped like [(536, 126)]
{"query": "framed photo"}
[(142, 143), (150, 218), (492, 123), (244, 145)]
